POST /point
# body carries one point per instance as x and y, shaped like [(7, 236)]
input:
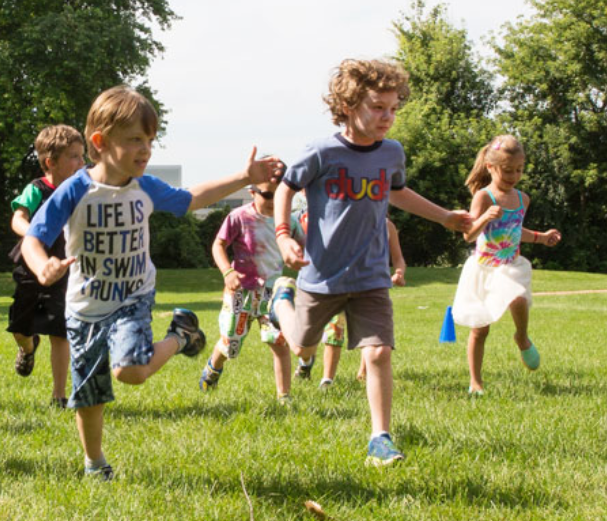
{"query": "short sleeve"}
[(166, 198), (29, 199)]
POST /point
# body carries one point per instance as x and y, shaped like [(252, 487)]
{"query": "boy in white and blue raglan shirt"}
[(104, 211), (349, 180)]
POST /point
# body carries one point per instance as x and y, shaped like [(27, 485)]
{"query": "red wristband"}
[(535, 236)]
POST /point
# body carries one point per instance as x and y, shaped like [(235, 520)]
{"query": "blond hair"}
[(497, 152), (53, 140), (118, 107), (353, 79)]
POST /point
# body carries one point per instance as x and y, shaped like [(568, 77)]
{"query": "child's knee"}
[(377, 355), (479, 333), (134, 375)]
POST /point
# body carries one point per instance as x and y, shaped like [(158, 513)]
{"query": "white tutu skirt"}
[(484, 293)]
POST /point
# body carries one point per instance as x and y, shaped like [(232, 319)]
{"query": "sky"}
[(239, 73)]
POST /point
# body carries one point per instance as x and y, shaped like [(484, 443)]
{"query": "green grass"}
[(535, 447)]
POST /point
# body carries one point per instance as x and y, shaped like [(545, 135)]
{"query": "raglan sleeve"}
[(166, 198)]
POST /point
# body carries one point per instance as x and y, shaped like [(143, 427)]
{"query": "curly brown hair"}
[(352, 79), (53, 140)]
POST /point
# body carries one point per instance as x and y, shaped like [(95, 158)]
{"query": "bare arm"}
[(550, 238), (291, 251), (266, 169), (220, 256), (20, 221), (47, 270), (396, 255), (410, 201), (482, 211)]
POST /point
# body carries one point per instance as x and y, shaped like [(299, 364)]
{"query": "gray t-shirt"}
[(347, 188)]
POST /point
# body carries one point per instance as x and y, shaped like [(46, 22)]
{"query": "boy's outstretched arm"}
[(291, 251), (48, 270), (255, 172), (396, 255), (410, 201)]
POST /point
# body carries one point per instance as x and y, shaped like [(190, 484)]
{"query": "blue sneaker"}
[(382, 451), (531, 357), (185, 327), (284, 288), (210, 377), (303, 371), (105, 473)]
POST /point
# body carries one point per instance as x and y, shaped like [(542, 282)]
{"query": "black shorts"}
[(38, 310)]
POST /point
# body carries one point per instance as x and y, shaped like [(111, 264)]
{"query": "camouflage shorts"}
[(334, 331), (237, 314)]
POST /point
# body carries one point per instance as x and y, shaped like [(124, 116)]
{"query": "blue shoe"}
[(531, 357), (210, 377), (284, 289), (382, 451), (185, 327), (105, 473), (303, 371)]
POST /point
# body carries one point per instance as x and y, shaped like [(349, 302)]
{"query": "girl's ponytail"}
[(479, 176)]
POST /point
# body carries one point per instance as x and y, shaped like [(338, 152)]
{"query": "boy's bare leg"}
[(282, 368), (362, 369), (26, 343), (60, 363), (378, 360), (90, 428), (331, 358), (285, 311), (137, 374), (218, 358), (476, 353)]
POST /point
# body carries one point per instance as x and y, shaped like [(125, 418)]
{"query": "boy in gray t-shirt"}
[(349, 180)]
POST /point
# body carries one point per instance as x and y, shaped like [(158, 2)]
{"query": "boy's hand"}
[(291, 252), (232, 281), (398, 278), (550, 238), (54, 269), (458, 220), (264, 170)]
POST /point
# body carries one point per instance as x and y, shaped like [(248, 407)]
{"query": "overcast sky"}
[(238, 73)]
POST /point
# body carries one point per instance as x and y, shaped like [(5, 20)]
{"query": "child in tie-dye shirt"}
[(257, 263), (496, 277)]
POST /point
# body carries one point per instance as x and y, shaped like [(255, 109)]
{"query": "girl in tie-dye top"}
[(496, 277), (500, 241)]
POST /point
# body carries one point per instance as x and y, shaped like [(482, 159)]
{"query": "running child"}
[(249, 279), (349, 179), (40, 310), (496, 277), (105, 211)]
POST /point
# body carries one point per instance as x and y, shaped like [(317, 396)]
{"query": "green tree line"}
[(545, 82)]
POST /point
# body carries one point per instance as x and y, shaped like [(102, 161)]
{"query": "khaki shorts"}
[(368, 317)]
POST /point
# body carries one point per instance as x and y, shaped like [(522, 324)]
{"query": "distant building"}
[(171, 174), (234, 200)]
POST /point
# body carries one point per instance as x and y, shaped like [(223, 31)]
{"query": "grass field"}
[(534, 447)]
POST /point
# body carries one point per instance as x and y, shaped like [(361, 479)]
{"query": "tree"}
[(442, 126), (555, 82), (55, 57)]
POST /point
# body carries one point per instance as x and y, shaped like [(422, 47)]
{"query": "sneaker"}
[(284, 289), (285, 399), (304, 372), (382, 451), (105, 473), (24, 363), (325, 384), (58, 403), (185, 326), (531, 357), (210, 377)]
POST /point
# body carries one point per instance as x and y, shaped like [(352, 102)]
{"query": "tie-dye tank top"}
[(500, 241)]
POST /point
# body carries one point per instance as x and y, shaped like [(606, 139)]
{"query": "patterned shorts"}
[(125, 337), (237, 314), (334, 331)]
